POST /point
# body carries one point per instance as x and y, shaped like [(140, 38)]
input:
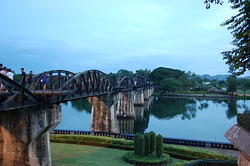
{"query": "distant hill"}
[(218, 77)]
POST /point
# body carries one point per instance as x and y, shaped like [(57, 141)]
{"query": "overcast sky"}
[(109, 35)]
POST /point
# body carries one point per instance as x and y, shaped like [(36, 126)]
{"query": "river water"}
[(188, 118)]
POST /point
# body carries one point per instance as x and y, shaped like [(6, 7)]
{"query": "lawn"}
[(83, 155)]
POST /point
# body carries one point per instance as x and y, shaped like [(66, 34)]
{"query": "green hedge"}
[(192, 153), (148, 160), (178, 151), (244, 121), (94, 140)]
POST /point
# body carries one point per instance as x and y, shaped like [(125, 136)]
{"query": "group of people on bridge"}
[(24, 80)]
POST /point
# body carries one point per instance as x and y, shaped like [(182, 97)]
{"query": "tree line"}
[(173, 80)]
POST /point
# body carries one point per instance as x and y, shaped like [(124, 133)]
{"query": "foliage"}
[(82, 105), (141, 146), (136, 143), (243, 120), (193, 153), (147, 143), (146, 160), (158, 74), (143, 72), (159, 145), (152, 142), (238, 58), (232, 84), (93, 140), (170, 85)]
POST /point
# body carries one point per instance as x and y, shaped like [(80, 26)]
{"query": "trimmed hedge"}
[(136, 143), (159, 147), (152, 142), (109, 142), (244, 120), (192, 153), (148, 160), (141, 146), (178, 151), (147, 143)]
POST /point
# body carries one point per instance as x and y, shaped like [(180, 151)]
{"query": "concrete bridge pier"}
[(100, 113), (24, 136), (125, 105), (138, 98), (147, 93)]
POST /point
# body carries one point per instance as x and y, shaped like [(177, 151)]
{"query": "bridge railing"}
[(175, 141)]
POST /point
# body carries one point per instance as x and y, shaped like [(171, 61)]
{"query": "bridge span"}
[(28, 115)]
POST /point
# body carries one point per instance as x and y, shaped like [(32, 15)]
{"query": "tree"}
[(238, 58), (144, 72), (170, 85), (232, 84)]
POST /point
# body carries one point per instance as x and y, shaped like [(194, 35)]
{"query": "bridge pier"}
[(24, 136), (100, 113)]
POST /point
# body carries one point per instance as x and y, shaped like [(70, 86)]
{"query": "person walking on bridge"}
[(44, 80), (30, 79), (10, 74), (23, 78)]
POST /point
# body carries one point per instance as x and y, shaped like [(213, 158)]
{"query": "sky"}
[(109, 35)]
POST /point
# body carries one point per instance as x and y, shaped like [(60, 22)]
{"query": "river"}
[(188, 118)]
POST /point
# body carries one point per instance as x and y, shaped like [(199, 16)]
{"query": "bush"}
[(136, 143), (152, 142), (159, 146), (147, 143), (141, 146), (148, 160), (193, 153)]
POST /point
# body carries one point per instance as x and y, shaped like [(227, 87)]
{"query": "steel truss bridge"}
[(65, 86)]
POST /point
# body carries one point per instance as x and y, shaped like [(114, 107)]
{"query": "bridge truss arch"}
[(86, 84), (56, 79)]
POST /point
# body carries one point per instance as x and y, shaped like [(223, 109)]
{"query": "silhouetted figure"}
[(23, 78), (44, 80), (30, 80)]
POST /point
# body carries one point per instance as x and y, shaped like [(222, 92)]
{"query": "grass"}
[(79, 155), (177, 151)]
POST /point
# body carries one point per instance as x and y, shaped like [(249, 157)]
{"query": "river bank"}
[(203, 96)]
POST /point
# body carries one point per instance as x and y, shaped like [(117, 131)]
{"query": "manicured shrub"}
[(141, 146), (152, 142), (136, 143), (147, 143), (159, 146)]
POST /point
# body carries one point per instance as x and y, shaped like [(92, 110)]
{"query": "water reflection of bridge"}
[(127, 114), (27, 115)]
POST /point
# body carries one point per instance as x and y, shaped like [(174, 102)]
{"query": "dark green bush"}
[(136, 143), (152, 142), (141, 145), (159, 146), (147, 143), (244, 121), (149, 160)]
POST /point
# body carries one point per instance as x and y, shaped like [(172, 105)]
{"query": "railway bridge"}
[(28, 115)]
